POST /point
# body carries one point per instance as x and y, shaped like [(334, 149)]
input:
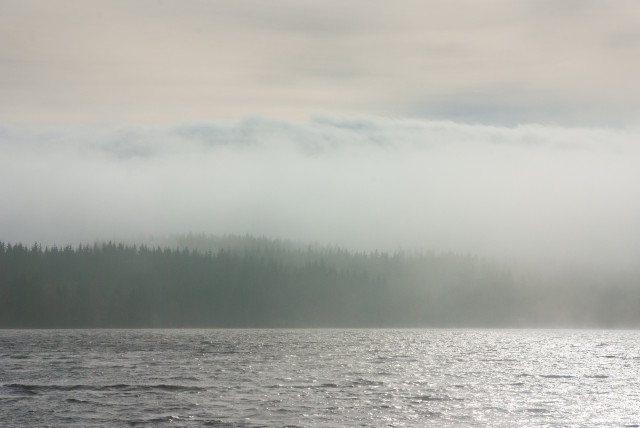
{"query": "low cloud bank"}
[(533, 194)]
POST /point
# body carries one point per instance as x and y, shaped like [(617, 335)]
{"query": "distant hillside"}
[(232, 281)]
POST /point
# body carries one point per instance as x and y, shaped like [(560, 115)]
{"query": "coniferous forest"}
[(202, 281)]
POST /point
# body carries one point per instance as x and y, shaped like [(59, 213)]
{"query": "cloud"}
[(498, 62), (538, 194)]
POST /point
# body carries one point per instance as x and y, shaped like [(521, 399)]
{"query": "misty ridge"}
[(531, 225), (247, 281)]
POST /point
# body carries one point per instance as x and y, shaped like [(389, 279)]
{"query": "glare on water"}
[(319, 377)]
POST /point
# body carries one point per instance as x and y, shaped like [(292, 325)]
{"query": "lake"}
[(320, 377)]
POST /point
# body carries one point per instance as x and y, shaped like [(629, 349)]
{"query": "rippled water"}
[(319, 377)]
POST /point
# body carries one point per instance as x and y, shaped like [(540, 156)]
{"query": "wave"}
[(557, 376), (34, 389), (432, 398)]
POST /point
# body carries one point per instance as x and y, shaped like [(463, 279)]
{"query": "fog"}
[(538, 195)]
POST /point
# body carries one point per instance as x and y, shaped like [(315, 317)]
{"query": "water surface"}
[(319, 377)]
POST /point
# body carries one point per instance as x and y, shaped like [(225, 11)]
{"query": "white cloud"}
[(536, 193)]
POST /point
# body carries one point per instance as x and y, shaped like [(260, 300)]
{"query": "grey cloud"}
[(508, 106), (626, 39), (129, 144), (562, 9)]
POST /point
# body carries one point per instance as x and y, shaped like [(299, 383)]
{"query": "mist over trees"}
[(231, 281)]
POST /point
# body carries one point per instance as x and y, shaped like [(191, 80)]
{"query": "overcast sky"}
[(496, 127), (496, 61)]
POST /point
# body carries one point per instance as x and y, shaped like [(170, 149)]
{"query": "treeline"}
[(201, 281)]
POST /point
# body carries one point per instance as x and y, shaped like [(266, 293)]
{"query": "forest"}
[(244, 281)]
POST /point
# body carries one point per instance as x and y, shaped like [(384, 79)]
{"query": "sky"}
[(502, 128)]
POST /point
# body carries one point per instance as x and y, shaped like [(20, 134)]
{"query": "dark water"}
[(319, 378)]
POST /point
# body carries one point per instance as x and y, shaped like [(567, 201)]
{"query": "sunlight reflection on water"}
[(319, 377)]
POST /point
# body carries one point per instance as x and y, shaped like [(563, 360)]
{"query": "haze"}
[(539, 193), (507, 129)]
